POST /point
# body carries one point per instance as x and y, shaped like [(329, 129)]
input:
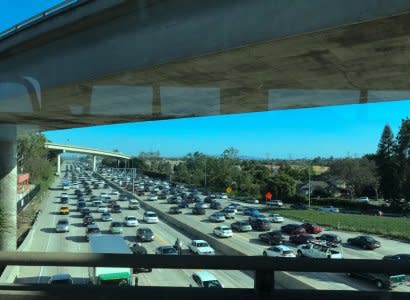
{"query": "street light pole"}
[(310, 189), (205, 172)]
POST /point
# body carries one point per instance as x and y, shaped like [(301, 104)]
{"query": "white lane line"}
[(46, 250)]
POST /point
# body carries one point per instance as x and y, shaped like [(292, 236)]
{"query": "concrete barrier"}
[(285, 279)]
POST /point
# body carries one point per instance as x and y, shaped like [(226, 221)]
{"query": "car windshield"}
[(202, 245), (168, 250), (212, 284), (369, 239), (151, 215), (63, 222)]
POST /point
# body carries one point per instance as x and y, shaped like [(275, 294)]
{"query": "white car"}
[(104, 195), (115, 192), (150, 217), (224, 196), (278, 251), (274, 203), (223, 231), (362, 199), (130, 221), (276, 218), (329, 209), (152, 198), (133, 204), (204, 279), (201, 247), (102, 209)]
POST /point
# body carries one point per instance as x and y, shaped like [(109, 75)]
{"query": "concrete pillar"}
[(59, 164), (8, 188), (94, 163)]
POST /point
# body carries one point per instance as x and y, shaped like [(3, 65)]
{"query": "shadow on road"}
[(77, 238), (48, 230), (78, 225), (130, 238), (257, 242)]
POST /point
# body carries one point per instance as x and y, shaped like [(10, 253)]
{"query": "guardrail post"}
[(264, 281)]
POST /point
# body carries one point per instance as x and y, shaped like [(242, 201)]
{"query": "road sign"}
[(228, 190), (268, 196)]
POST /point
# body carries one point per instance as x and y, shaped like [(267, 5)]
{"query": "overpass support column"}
[(94, 163), (8, 187), (59, 164)]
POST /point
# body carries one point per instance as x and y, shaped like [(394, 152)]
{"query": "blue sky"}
[(349, 130)]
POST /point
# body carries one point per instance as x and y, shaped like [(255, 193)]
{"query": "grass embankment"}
[(387, 226)]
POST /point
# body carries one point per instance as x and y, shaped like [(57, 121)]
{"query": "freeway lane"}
[(249, 243), (45, 239)]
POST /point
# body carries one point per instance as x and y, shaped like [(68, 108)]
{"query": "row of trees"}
[(393, 163)]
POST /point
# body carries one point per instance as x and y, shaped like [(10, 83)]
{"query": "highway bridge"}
[(83, 150), (111, 61)]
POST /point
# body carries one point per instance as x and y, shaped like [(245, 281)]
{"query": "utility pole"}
[(205, 172), (310, 188)]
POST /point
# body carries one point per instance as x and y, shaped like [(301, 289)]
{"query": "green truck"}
[(108, 244)]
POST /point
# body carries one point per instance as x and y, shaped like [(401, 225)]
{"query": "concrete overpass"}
[(83, 150)]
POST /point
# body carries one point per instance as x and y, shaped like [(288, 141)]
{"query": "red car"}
[(312, 228), (301, 238)]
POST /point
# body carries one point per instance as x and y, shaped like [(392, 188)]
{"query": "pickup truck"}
[(201, 247), (318, 250)]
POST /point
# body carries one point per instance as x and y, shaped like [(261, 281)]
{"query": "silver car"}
[(63, 225), (217, 217)]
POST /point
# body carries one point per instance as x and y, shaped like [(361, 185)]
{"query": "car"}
[(373, 212), (215, 205), (223, 231), (111, 203), (363, 199), (63, 225), (293, 229), (138, 249), (202, 205), (130, 221), (312, 228), (166, 250), (260, 217), (278, 251), (133, 204), (64, 200), (231, 207), (272, 237), (204, 279), (319, 250), (87, 220), (329, 208), (85, 211), (198, 211), (116, 208), (330, 239), (144, 234), (106, 217), (61, 279), (175, 210), (250, 211), (152, 197), (398, 257), (103, 195), (302, 238), (217, 217), (97, 202), (201, 247), (116, 227), (64, 210), (115, 192), (92, 229), (183, 204), (260, 225), (229, 213), (276, 218), (123, 197), (274, 203), (241, 226), (150, 217), (382, 281), (365, 242), (102, 209)]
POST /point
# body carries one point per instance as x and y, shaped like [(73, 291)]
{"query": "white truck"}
[(109, 275), (200, 247), (319, 250)]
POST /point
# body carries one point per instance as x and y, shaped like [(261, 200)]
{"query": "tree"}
[(387, 165), (403, 160), (281, 186)]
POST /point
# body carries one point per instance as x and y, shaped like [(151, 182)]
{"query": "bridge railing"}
[(264, 269)]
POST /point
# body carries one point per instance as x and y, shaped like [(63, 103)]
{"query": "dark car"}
[(373, 212), (312, 228), (166, 250), (400, 257), (87, 220), (175, 210), (198, 210), (144, 234), (116, 208), (260, 225), (365, 242), (64, 200), (272, 237), (329, 238), (85, 211), (301, 238), (215, 205), (293, 229), (382, 281), (299, 205), (81, 205), (183, 204), (162, 196), (251, 212), (138, 249)]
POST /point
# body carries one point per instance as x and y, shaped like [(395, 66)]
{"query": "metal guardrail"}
[(264, 268), (68, 4)]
